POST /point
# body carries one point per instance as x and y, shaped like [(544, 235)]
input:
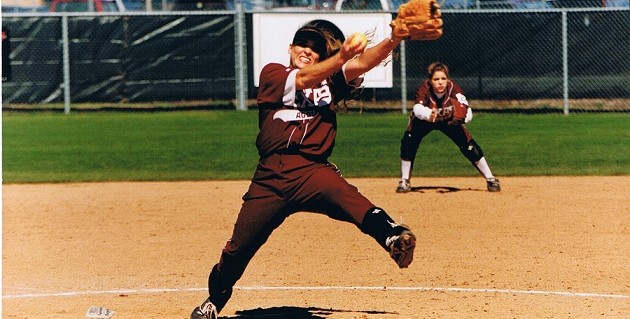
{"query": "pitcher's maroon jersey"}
[(303, 121)]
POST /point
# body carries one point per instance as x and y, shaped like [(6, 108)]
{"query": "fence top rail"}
[(115, 14), (223, 12)]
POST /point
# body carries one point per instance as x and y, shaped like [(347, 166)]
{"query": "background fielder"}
[(441, 105)]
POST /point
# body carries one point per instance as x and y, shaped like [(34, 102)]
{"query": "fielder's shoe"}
[(401, 248), (205, 311), (493, 185), (403, 186)]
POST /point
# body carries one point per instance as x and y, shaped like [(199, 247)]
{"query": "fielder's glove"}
[(460, 112), (418, 20)]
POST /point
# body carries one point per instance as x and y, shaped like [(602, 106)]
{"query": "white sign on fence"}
[(273, 33)]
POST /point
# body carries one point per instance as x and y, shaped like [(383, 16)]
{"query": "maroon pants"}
[(282, 185)]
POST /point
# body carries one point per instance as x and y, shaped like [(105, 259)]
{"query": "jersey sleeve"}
[(340, 87), (277, 86), (458, 94)]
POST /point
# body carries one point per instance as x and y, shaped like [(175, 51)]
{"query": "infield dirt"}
[(544, 247)]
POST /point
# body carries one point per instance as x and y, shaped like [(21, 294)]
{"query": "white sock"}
[(405, 168), (484, 169)]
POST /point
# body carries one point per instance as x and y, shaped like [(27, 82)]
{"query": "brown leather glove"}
[(418, 20)]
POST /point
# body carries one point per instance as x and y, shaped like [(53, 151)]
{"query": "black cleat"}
[(401, 248), (493, 185), (206, 310), (404, 186)]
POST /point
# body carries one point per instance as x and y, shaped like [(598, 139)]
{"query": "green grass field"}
[(201, 145)]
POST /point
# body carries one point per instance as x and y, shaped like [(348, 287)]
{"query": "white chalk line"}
[(343, 288)]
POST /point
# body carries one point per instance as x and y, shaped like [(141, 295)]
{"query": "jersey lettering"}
[(445, 113), (302, 100), (293, 115), (321, 96)]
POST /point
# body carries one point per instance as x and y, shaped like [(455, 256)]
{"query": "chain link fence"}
[(548, 60), (545, 60)]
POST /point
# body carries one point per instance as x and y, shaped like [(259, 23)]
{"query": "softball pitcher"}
[(441, 105), (297, 120)]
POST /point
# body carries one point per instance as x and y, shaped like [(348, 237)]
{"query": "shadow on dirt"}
[(294, 313), (437, 189)]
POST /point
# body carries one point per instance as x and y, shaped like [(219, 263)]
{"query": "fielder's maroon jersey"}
[(303, 121), (444, 105)]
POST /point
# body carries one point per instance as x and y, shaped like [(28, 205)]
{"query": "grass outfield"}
[(201, 145)]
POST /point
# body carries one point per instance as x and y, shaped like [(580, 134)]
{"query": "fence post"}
[(565, 65), (241, 61), (403, 76), (66, 64)]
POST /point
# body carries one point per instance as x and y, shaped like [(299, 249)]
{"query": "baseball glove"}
[(460, 111), (418, 20)]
